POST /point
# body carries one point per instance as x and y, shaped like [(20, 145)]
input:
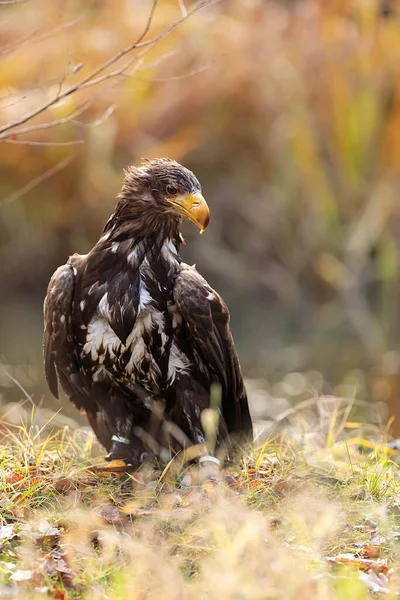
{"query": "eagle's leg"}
[(114, 425), (125, 445), (120, 449), (186, 412), (131, 451)]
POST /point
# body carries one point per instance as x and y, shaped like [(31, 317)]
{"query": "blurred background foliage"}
[(289, 114)]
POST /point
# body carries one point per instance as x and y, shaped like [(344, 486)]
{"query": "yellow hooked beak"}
[(194, 207)]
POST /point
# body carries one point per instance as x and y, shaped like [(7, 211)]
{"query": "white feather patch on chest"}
[(102, 341), (144, 296), (100, 336), (178, 363)]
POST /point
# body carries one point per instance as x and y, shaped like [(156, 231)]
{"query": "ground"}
[(311, 512)]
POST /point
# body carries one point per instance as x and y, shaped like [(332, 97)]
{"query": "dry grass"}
[(278, 525)]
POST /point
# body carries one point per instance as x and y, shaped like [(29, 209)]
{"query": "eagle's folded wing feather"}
[(207, 319), (59, 348)]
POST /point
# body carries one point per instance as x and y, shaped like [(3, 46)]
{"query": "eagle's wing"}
[(60, 353), (207, 319)]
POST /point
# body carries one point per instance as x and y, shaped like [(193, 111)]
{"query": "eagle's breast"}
[(149, 354)]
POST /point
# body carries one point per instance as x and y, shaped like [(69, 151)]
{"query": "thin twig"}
[(71, 118), (173, 77), (98, 121), (7, 2), (38, 180), (35, 143), (97, 75), (183, 8), (12, 103), (56, 122), (83, 83), (36, 36)]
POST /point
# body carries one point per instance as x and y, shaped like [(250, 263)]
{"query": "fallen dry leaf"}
[(65, 572), (231, 480), (55, 563), (116, 467), (370, 551), (13, 478), (8, 532), (111, 514), (60, 594), (46, 532), (64, 485), (363, 564)]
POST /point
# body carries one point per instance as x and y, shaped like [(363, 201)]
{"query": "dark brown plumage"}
[(136, 337)]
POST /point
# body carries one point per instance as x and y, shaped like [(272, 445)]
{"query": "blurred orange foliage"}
[(287, 111)]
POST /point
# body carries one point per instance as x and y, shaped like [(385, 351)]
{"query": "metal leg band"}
[(122, 440), (212, 459)]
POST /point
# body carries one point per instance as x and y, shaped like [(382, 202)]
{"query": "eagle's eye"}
[(171, 190)]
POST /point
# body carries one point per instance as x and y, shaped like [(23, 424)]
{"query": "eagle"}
[(136, 337)]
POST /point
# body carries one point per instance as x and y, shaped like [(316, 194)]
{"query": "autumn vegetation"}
[(311, 513), (289, 113)]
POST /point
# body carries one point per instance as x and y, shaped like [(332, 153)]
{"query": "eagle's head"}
[(162, 189)]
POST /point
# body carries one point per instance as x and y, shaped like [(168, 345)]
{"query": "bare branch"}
[(7, 2), (17, 44), (98, 121), (55, 123), (38, 180), (98, 75), (35, 143), (71, 118), (182, 8), (147, 45), (36, 36), (191, 73), (83, 82), (12, 103)]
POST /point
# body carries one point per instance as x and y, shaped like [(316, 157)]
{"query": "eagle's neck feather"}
[(147, 230), (122, 243), (141, 219)]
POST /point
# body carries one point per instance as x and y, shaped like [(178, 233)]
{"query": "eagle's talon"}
[(119, 451)]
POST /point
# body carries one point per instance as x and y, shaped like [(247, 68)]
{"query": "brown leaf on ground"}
[(60, 594), (55, 563), (64, 485), (281, 485), (370, 552), (13, 478), (118, 468), (231, 480), (111, 514), (46, 533), (363, 564), (65, 572)]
